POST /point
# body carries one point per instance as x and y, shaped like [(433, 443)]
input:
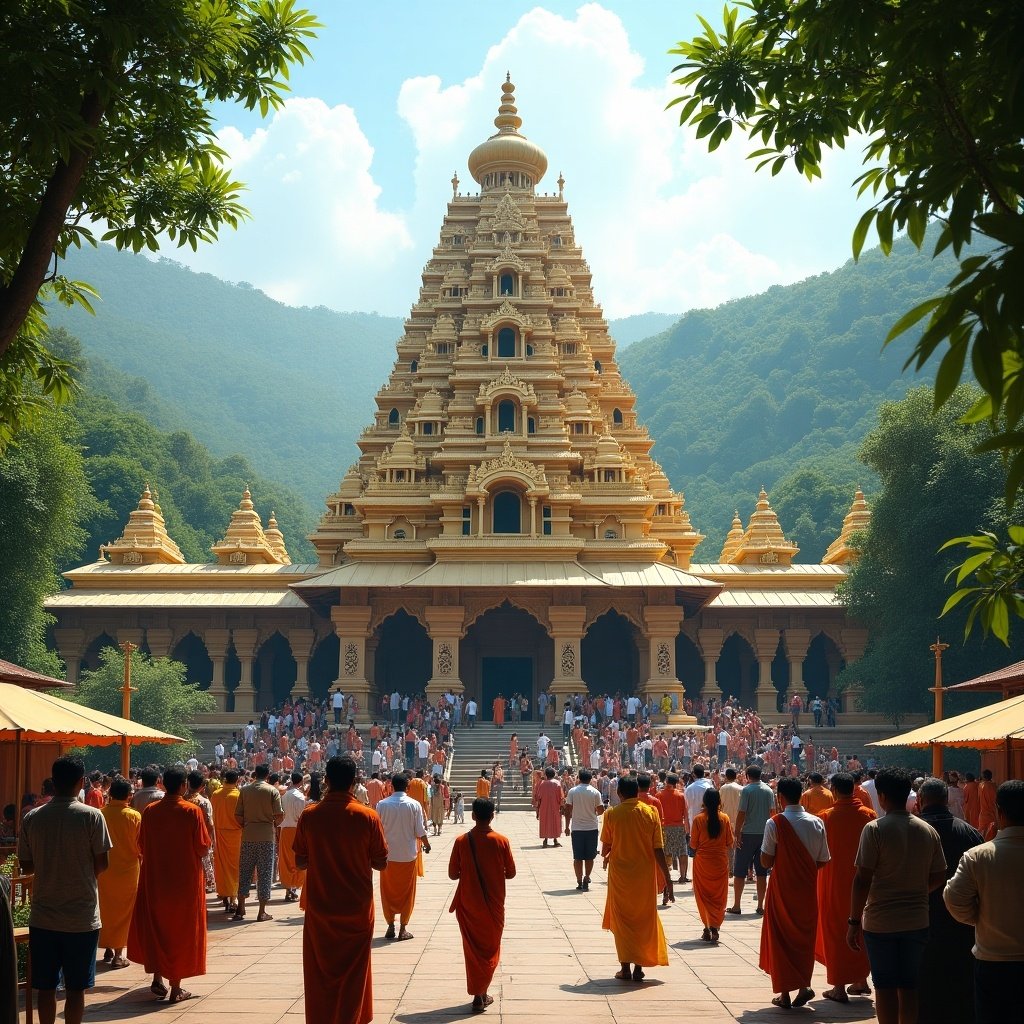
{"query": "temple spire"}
[(858, 519), (244, 541), (145, 539), (763, 541), (733, 539)]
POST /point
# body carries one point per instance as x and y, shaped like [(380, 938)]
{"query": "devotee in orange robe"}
[(711, 839), (634, 850), (340, 843), (498, 707), (987, 805), (972, 802), (481, 861), (406, 834), (547, 802), (168, 929), (120, 882), (228, 846), (293, 801), (816, 797), (844, 822), (794, 849)]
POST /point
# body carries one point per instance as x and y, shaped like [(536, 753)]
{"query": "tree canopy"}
[(935, 89), (106, 123)]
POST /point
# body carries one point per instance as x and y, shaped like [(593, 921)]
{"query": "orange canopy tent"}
[(39, 720), (998, 727)]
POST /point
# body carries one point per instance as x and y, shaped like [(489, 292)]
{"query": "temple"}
[(504, 528)]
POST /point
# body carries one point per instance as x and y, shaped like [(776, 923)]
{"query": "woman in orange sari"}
[(711, 839)]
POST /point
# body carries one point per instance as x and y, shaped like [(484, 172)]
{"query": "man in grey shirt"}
[(64, 844), (150, 792), (757, 804)]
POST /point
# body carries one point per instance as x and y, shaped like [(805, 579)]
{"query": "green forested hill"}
[(642, 325), (779, 389), (288, 388)]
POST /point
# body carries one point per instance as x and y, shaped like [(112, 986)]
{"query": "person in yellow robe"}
[(633, 848), (228, 843), (120, 882)]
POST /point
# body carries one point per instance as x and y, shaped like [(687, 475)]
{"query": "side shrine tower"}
[(504, 529)]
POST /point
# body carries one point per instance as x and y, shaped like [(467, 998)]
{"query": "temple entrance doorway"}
[(505, 676)]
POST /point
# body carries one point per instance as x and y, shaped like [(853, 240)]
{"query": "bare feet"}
[(804, 996), (638, 973), (837, 995)]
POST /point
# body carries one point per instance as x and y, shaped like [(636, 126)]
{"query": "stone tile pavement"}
[(556, 961)]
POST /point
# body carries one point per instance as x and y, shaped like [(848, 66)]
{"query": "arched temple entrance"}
[(91, 657), (689, 667), (191, 652), (506, 651), (821, 666), (737, 670), (610, 658), (273, 672), (404, 656)]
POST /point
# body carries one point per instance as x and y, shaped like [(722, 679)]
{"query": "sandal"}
[(180, 996), (638, 974), (782, 1002), (714, 934), (159, 990), (803, 997), (480, 1003), (119, 962), (624, 975), (238, 916), (705, 936)]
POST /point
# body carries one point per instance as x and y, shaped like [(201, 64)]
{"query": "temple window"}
[(610, 535), (483, 350), (348, 510), (506, 416), (399, 534), (444, 348), (531, 425), (507, 285), (480, 425), (400, 476), (556, 242), (577, 428), (428, 428), (413, 366), (597, 365), (457, 239), (467, 521), (507, 512), (545, 516), (609, 476), (529, 350), (393, 418), (660, 511), (506, 343), (617, 417)]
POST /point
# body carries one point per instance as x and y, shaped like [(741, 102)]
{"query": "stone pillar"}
[(352, 624), (445, 627), (710, 641), (568, 625), (245, 641), (853, 641), (662, 624), (71, 646), (301, 642), (217, 642), (480, 512), (159, 640), (797, 640), (766, 645)]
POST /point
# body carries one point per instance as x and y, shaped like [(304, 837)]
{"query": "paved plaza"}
[(556, 961)]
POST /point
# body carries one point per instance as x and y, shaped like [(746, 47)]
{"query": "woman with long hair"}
[(711, 839)]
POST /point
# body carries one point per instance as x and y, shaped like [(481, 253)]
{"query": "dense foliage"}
[(163, 700), (936, 87), (764, 389), (933, 485), (106, 123)]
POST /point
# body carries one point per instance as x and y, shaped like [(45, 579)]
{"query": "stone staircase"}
[(479, 748)]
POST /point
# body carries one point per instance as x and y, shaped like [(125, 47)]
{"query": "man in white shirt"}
[(377, 759), (471, 713), (395, 704), (730, 793), (795, 746), (632, 706), (723, 748), (869, 786), (694, 794), (568, 718), (422, 752), (218, 751), (337, 703), (293, 803), (542, 746), (595, 758), (404, 829), (583, 805)]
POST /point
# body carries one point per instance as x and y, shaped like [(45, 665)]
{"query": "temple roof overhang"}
[(175, 599)]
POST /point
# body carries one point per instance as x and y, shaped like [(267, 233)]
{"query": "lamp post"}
[(126, 703), (937, 648)]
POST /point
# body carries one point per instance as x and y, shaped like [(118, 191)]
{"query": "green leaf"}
[(956, 597), (911, 317)]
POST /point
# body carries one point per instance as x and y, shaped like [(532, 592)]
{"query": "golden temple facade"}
[(504, 528)]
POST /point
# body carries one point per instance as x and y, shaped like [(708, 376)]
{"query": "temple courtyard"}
[(556, 960)]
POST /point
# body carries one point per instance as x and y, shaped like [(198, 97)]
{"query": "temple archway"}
[(780, 675), (737, 670), (823, 663), (506, 650), (232, 676), (609, 655), (91, 658), (323, 665), (273, 672), (191, 652), (404, 657), (689, 667), (507, 512)]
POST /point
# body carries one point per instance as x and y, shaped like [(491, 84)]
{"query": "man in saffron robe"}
[(339, 842), (972, 803), (547, 802), (228, 840), (987, 805), (404, 830), (481, 861), (498, 707), (168, 929), (794, 849), (844, 822), (418, 791), (120, 882), (293, 802), (633, 847)]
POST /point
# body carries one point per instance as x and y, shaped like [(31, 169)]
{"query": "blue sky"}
[(348, 183)]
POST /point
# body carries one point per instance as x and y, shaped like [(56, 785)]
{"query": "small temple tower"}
[(857, 519), (763, 542), (145, 540), (246, 543)]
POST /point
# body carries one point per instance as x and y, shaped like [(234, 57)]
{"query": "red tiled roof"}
[(1008, 678), (11, 673)]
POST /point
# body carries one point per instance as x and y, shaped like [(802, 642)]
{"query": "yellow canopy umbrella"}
[(28, 717), (998, 726)]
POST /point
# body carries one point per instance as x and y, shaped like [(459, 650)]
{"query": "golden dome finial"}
[(455, 183), (857, 520), (508, 119), (508, 159), (561, 184)]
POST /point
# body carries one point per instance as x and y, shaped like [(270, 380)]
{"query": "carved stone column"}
[(71, 646), (710, 640), (217, 642), (445, 627), (301, 642), (159, 640), (245, 641), (854, 640), (797, 640), (567, 629), (352, 624), (766, 646), (662, 624)]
